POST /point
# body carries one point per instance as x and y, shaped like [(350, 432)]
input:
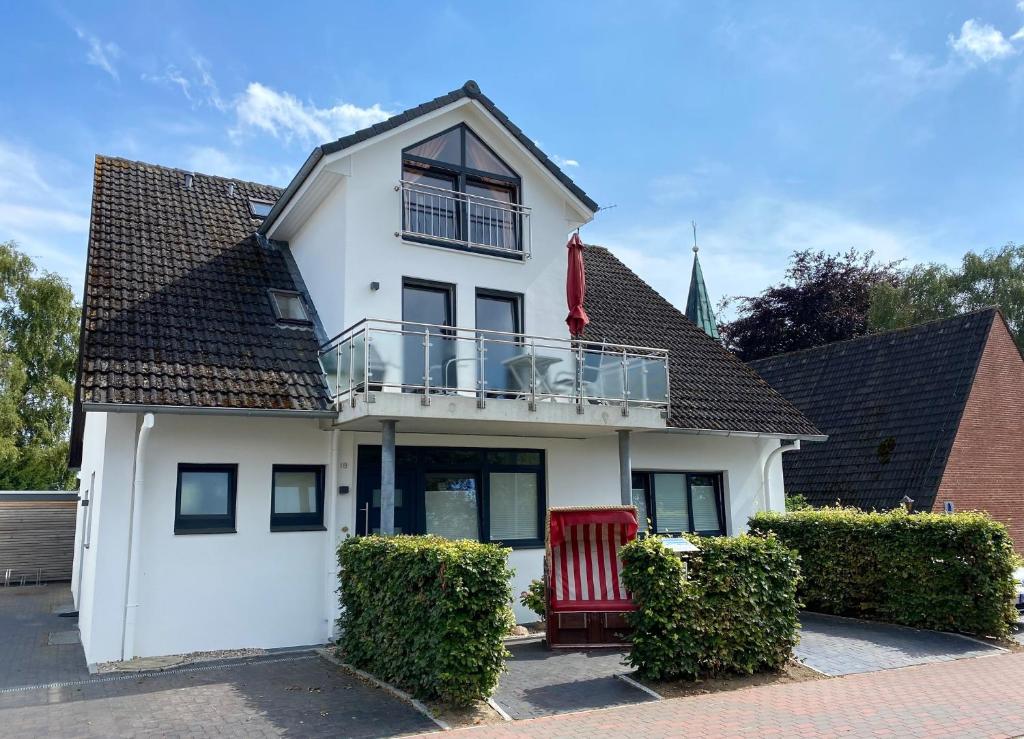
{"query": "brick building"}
[(934, 412)]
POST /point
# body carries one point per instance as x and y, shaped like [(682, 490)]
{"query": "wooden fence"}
[(37, 535)]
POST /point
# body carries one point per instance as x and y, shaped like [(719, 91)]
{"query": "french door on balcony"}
[(428, 353), (499, 321)]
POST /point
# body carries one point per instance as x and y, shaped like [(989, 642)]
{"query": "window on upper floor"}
[(457, 192)]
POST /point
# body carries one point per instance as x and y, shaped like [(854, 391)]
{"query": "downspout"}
[(331, 519), (131, 598), (777, 452)]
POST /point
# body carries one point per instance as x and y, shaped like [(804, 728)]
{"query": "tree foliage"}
[(930, 291), (38, 347), (824, 298)]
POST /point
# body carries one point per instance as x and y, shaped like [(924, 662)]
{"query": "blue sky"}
[(775, 125)]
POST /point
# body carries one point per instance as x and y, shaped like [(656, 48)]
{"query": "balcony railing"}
[(433, 360), (470, 221)]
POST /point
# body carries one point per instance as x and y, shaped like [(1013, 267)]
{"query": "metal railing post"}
[(351, 368), (533, 374), (579, 377), (625, 385), (425, 400), (481, 401)]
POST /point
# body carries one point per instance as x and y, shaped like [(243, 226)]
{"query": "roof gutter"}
[(289, 192), (186, 410), (748, 434)]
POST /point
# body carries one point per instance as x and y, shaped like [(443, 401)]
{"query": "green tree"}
[(930, 291), (824, 298), (38, 348)]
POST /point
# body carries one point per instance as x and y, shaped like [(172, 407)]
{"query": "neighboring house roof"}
[(891, 404), (710, 388), (698, 304), (469, 90), (176, 314)]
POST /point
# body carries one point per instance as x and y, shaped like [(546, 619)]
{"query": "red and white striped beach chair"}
[(586, 599)]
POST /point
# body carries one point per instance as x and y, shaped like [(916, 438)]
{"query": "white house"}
[(261, 370)]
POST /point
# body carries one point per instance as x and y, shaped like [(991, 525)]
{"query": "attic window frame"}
[(257, 201), (275, 293)]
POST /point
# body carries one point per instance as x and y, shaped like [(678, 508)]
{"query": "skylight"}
[(260, 208), (289, 306)]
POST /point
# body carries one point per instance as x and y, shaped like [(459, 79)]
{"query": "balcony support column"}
[(387, 477), (625, 469)]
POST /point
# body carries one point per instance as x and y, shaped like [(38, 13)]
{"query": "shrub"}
[(933, 571), (735, 611), (796, 502), (426, 613), (535, 597)]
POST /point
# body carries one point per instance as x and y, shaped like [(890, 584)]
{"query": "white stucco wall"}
[(349, 240), (258, 588)]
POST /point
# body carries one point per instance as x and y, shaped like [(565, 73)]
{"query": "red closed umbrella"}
[(576, 287)]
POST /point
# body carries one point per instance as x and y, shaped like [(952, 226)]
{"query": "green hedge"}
[(426, 613), (933, 571), (735, 612)]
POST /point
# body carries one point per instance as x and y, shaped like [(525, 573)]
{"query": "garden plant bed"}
[(794, 672), (460, 717)]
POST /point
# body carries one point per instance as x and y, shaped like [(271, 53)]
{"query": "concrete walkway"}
[(981, 697), (844, 646)]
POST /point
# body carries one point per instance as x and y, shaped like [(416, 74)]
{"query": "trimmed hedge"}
[(933, 571), (426, 613), (735, 611)]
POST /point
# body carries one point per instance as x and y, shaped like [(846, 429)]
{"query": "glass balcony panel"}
[(410, 357), (329, 364), (507, 367), (648, 379)]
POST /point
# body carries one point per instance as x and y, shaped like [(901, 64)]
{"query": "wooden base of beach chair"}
[(587, 630)]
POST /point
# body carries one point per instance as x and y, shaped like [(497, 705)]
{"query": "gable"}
[(327, 163)]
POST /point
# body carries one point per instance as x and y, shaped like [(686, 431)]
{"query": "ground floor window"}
[(495, 495), (680, 502), (205, 499), (297, 498)]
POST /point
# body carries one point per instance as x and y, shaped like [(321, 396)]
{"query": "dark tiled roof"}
[(469, 90), (176, 308), (890, 403), (711, 389)]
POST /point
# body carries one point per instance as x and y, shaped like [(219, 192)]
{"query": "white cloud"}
[(38, 210), (563, 162), (171, 76), (101, 54), (284, 116), (214, 161), (981, 41)]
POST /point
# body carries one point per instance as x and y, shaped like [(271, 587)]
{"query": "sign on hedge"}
[(935, 571)]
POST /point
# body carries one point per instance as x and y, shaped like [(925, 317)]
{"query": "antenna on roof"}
[(188, 180), (606, 207), (695, 247)]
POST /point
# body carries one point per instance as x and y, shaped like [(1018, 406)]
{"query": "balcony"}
[(471, 222), (491, 381)]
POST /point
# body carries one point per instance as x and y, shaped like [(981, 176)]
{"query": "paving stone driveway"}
[(843, 646), (296, 695), (542, 682)]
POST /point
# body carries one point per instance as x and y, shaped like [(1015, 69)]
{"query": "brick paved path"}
[(982, 697), (28, 615)]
